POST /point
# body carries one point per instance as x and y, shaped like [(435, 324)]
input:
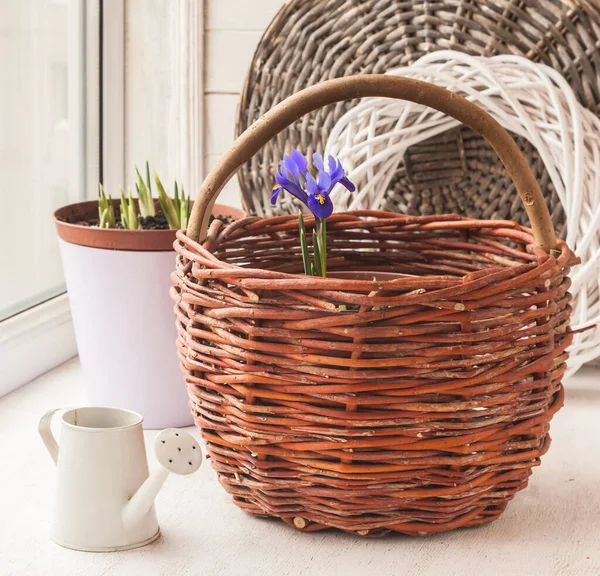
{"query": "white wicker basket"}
[(529, 99)]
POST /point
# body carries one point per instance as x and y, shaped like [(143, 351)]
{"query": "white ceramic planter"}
[(125, 331), (118, 283)]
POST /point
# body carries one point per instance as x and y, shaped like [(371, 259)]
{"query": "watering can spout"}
[(140, 503), (177, 452)]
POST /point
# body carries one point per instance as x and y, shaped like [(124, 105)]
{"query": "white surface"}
[(240, 14), (92, 98), (228, 57), (113, 96), (164, 87), (232, 29), (125, 334), (35, 341), (176, 52), (528, 99), (551, 528), (101, 465)]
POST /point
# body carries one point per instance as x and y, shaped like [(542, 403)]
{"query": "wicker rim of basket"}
[(263, 279), (350, 87)]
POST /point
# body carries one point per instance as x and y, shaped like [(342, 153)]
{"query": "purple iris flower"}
[(293, 176)]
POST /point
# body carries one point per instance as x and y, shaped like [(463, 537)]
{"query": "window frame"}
[(41, 337)]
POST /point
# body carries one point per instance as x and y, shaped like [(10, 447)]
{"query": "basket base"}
[(473, 519)]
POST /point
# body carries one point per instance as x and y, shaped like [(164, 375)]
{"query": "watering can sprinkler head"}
[(177, 452)]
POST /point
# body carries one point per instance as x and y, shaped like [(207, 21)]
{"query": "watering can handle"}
[(384, 86), (46, 433)]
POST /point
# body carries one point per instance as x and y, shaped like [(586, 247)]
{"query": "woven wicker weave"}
[(423, 403), (344, 37)]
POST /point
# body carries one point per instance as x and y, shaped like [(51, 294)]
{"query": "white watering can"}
[(105, 497)]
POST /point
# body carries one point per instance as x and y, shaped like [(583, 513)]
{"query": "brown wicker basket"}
[(422, 405), (346, 37)]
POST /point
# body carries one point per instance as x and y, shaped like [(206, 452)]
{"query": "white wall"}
[(232, 29), (180, 99), (163, 58)]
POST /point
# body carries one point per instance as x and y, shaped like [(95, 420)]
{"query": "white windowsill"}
[(552, 527), (34, 342)]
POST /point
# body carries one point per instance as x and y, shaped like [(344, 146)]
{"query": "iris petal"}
[(324, 181), (291, 168), (275, 193), (336, 170), (300, 161), (292, 175), (311, 184), (320, 210), (318, 162), (291, 187), (347, 184)]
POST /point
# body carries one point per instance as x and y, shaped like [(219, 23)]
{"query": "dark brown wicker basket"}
[(423, 404), (315, 40)]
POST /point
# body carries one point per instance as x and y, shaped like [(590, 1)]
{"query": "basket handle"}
[(350, 87)]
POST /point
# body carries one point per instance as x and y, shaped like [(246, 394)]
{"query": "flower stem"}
[(322, 230), (305, 257), (320, 246), (317, 254)]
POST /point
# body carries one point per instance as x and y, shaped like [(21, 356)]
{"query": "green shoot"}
[(318, 267), (148, 181), (322, 238), (145, 195), (317, 254), (167, 204), (102, 202), (107, 217), (176, 209), (176, 199), (103, 218), (124, 211), (129, 217), (184, 210), (133, 215), (106, 210), (305, 257)]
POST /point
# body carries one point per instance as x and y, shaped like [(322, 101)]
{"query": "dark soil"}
[(158, 222)]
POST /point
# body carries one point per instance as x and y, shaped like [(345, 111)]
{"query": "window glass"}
[(34, 149)]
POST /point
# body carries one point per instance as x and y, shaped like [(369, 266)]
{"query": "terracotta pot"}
[(118, 283), (67, 217)]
